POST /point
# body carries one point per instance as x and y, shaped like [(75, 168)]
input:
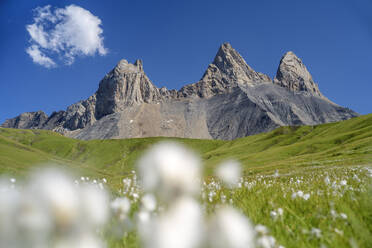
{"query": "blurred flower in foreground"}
[(170, 170), (51, 211), (172, 173), (229, 172), (179, 226), (230, 228), (149, 202), (121, 207)]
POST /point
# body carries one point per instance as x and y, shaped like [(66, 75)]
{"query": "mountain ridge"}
[(127, 104)]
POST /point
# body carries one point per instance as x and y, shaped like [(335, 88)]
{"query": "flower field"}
[(293, 187)]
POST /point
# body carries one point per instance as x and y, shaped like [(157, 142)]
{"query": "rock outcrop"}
[(227, 70), (293, 75), (28, 120), (231, 100), (126, 85)]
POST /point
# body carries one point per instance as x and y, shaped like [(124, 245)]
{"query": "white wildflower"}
[(339, 232), (316, 232), (266, 242), (94, 204), (135, 196), (58, 192), (230, 228), (327, 180), (170, 170), (223, 198), (143, 217), (229, 172), (306, 196), (333, 213), (261, 229), (300, 193), (149, 202), (343, 216), (356, 178), (274, 215), (294, 195), (52, 207), (121, 207), (100, 186), (280, 211), (180, 226)]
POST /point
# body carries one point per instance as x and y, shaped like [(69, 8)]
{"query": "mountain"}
[(231, 100), (293, 75)]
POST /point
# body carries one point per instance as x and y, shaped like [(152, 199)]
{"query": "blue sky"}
[(178, 39)]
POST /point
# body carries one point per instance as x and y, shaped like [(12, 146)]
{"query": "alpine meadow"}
[(131, 124)]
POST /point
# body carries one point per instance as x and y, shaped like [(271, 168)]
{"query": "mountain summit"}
[(229, 62), (227, 70), (293, 75), (231, 100), (126, 85)]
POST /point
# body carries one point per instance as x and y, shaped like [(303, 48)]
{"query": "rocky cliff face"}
[(227, 70), (126, 85), (27, 120), (231, 100), (293, 75)]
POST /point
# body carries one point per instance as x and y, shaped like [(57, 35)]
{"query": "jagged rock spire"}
[(126, 85), (227, 70), (28, 120), (139, 64), (230, 63), (293, 75)]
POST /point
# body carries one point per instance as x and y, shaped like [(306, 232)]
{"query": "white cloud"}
[(39, 58), (64, 33)]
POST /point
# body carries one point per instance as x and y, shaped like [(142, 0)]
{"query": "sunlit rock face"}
[(231, 100), (126, 85), (27, 120), (227, 70), (293, 75)]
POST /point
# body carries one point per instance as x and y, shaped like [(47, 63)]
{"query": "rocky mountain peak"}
[(124, 67), (293, 75), (227, 58), (230, 63), (28, 120), (227, 71), (126, 85), (139, 65)]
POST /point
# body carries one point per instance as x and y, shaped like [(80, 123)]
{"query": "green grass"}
[(309, 154), (294, 227), (284, 149), (340, 212)]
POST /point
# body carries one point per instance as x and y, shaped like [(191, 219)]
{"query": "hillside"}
[(286, 148)]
